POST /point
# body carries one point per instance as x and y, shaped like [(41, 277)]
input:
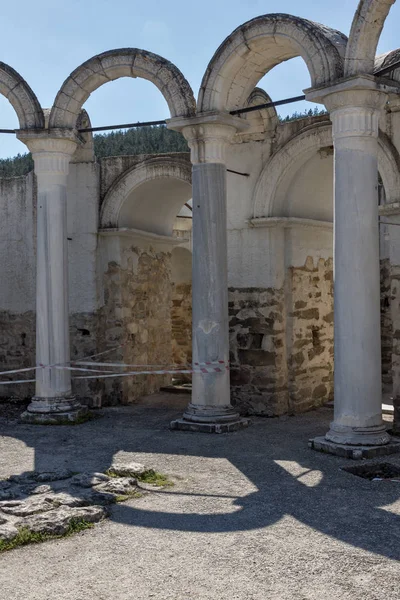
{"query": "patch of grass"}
[(125, 497), (149, 476), (154, 478), (25, 536)]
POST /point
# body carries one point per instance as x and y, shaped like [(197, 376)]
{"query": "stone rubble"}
[(68, 498)]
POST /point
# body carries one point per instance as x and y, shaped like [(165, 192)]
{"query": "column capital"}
[(362, 90), (354, 105), (208, 134), (51, 149)]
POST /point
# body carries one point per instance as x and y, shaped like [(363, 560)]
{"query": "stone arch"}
[(260, 121), (364, 36), (257, 46), (299, 149), (21, 98), (386, 60), (84, 152), (111, 65), (152, 169)]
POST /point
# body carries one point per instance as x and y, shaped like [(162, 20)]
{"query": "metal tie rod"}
[(239, 111), (232, 112)]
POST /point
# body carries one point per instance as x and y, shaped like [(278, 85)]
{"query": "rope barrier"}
[(197, 367)]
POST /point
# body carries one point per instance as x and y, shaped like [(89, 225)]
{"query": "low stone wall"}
[(257, 351), (137, 314), (181, 317), (310, 335), (17, 351)]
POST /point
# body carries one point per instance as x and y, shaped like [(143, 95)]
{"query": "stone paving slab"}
[(253, 514)]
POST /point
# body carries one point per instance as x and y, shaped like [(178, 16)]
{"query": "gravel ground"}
[(253, 514)]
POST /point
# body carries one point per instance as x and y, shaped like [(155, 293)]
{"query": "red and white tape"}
[(203, 368)]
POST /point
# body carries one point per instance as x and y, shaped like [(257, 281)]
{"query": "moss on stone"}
[(25, 536), (154, 478)]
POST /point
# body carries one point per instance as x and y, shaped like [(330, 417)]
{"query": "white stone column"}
[(210, 409), (53, 401), (355, 107)]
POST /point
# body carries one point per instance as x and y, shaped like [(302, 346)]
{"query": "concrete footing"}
[(321, 444)]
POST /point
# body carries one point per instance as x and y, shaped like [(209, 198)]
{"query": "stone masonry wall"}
[(386, 326), (85, 341), (310, 335), (137, 313), (17, 351), (281, 343), (181, 317), (395, 313), (257, 351)]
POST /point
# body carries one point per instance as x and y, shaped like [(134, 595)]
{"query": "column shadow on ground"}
[(338, 505)]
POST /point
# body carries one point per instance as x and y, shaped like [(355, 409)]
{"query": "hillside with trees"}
[(141, 140)]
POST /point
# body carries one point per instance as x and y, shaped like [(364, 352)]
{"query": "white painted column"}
[(53, 401), (355, 107), (210, 409)]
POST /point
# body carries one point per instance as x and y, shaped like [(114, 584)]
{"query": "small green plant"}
[(25, 536), (149, 476), (154, 478), (125, 497)]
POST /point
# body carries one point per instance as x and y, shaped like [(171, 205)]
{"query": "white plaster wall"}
[(253, 254), (181, 265), (257, 257), (245, 158), (83, 210), (310, 193), (17, 244), (304, 242), (154, 205)]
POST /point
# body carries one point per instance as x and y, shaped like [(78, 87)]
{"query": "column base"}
[(321, 444), (358, 436), (210, 419), (54, 411)]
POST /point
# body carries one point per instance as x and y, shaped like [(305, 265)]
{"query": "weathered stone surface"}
[(119, 486), (58, 521), (87, 480), (8, 531), (131, 469), (30, 506), (54, 475), (40, 489), (7, 494), (29, 477)]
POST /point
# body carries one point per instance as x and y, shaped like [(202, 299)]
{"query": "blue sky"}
[(47, 39)]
